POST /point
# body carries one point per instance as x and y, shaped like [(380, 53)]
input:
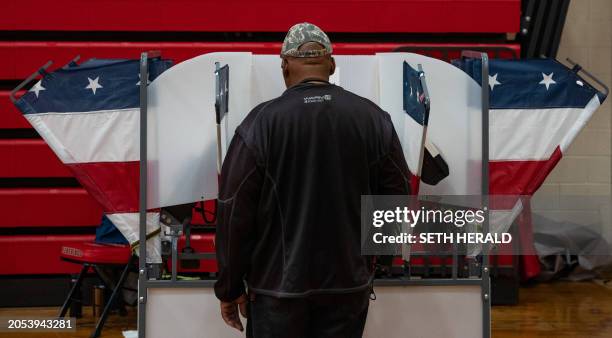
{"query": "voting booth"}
[(228, 86), (150, 139)]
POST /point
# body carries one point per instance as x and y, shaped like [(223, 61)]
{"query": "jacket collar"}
[(308, 83)]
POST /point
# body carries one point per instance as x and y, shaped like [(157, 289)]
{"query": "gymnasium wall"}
[(585, 168)]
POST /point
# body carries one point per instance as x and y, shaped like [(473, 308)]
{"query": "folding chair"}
[(96, 255)]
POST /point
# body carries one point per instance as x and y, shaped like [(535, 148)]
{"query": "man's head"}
[(306, 54)]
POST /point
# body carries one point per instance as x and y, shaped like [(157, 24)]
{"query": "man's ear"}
[(285, 68), (332, 69)]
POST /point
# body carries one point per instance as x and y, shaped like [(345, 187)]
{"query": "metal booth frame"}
[(145, 270)]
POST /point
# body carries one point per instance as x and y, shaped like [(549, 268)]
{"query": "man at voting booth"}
[(289, 201)]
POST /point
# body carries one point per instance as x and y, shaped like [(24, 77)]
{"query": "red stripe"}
[(530, 262), (112, 184), (523, 178), (487, 16), (520, 177)]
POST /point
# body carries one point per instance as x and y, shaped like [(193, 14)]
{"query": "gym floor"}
[(559, 310)]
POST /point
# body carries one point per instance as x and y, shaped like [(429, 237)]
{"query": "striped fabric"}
[(89, 115), (537, 108)]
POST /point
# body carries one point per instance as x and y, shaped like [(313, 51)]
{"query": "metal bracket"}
[(42, 71), (221, 105), (472, 54), (426, 104), (576, 68), (426, 100)]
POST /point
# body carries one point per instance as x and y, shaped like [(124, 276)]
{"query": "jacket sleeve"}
[(239, 190), (394, 174)]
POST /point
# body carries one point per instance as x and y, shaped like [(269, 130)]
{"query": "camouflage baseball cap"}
[(300, 34)]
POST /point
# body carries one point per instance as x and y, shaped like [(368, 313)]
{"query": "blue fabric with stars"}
[(413, 99), (94, 85), (531, 84)]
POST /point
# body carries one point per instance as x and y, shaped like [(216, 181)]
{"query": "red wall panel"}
[(10, 117), (417, 16), (47, 207), (20, 59), (30, 158)]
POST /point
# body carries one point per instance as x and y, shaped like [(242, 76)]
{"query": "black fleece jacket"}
[(290, 192)]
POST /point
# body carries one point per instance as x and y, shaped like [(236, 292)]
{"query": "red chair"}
[(95, 255)]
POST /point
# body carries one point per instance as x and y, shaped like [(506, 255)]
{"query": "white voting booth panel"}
[(421, 311), (398, 312), (186, 313), (182, 160), (454, 120), (181, 118), (181, 135)]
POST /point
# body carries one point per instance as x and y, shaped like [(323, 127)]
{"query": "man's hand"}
[(229, 312)]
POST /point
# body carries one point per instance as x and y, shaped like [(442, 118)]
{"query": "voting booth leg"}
[(486, 281), (485, 273), (142, 265)]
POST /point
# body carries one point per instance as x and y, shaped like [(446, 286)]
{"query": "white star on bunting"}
[(37, 88), (547, 80), (493, 81), (93, 84)]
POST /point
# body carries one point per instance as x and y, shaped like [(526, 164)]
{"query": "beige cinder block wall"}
[(586, 167)]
